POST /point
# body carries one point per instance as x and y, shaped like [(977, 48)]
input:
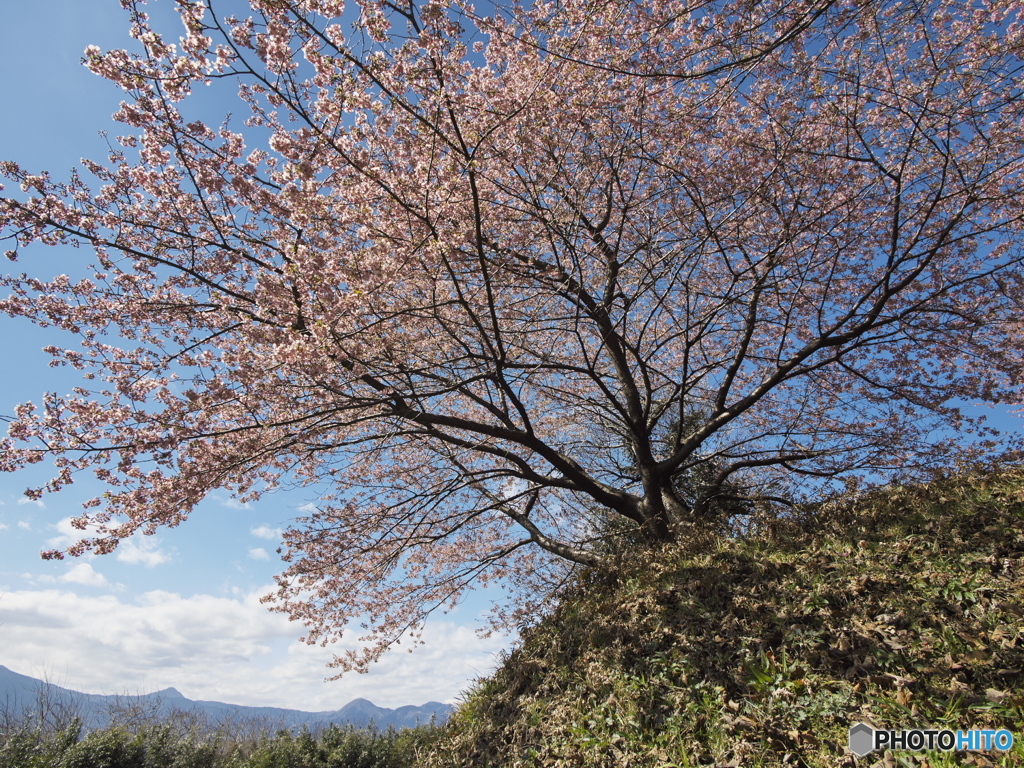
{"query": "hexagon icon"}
[(862, 739)]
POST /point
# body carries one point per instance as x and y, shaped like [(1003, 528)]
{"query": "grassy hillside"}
[(903, 610)]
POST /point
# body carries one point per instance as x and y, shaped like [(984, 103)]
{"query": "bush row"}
[(164, 746)]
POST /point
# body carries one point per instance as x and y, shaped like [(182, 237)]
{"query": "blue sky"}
[(180, 608)]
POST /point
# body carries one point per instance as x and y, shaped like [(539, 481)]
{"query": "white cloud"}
[(142, 551), (111, 644), (139, 550), (221, 649), (25, 525), (235, 504), (258, 553), (26, 500), (3, 526), (266, 532), (85, 574)]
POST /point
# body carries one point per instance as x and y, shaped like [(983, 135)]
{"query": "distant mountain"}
[(23, 697)]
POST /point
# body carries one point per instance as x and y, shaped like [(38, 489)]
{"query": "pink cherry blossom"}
[(484, 282)]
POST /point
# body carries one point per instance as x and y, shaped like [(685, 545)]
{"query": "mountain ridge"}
[(25, 697)]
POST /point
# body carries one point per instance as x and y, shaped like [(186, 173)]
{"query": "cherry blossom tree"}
[(484, 281)]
